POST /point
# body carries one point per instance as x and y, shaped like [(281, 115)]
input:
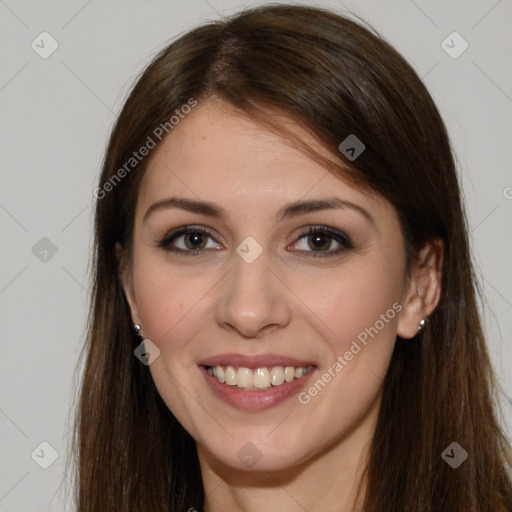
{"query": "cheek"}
[(172, 307), (160, 312), (359, 315), (351, 303), (170, 301), (160, 307)]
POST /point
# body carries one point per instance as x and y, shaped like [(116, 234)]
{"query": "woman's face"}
[(251, 257)]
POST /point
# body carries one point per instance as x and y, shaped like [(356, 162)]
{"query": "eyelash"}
[(338, 236)]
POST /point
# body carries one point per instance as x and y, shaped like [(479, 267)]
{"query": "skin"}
[(286, 302)]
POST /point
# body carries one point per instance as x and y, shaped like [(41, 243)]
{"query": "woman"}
[(284, 312)]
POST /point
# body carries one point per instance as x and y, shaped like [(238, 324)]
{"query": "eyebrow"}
[(190, 205), (295, 209), (299, 208)]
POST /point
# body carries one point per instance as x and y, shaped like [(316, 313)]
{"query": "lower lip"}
[(255, 400)]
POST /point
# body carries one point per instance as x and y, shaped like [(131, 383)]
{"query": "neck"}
[(328, 481)]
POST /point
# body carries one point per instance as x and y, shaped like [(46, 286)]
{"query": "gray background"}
[(56, 114)]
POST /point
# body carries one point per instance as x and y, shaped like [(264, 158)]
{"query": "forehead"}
[(219, 154)]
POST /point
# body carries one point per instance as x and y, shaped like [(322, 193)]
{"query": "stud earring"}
[(421, 326), (138, 331)]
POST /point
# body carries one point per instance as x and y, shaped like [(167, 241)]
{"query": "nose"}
[(253, 301)]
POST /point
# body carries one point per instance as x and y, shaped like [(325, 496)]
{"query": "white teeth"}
[(277, 376), (230, 376), (244, 378), (261, 378), (289, 373), (299, 372), (258, 379)]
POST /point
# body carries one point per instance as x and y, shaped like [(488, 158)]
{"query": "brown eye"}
[(323, 241), (195, 240), (319, 242), (189, 241)]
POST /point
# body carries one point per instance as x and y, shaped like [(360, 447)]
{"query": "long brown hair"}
[(334, 78)]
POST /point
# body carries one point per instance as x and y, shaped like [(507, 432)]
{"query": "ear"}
[(423, 290), (127, 282)]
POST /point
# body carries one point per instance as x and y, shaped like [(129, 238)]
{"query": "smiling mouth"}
[(259, 379)]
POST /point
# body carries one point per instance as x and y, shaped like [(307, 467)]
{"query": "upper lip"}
[(253, 361)]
